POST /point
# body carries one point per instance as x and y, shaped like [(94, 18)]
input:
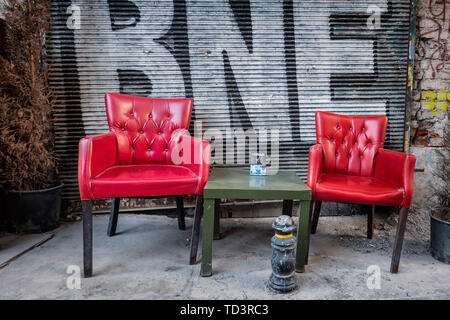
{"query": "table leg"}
[(302, 236), (207, 237), (217, 219), (287, 207)]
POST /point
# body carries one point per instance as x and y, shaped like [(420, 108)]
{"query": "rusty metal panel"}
[(249, 64)]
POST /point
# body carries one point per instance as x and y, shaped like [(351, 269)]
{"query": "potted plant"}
[(440, 217), (27, 157)]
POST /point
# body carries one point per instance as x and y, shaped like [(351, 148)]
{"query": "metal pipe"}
[(410, 75)]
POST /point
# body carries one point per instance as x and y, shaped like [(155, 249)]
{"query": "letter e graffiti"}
[(374, 279), (374, 21), (74, 20), (74, 280)]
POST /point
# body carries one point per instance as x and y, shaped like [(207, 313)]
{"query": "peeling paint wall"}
[(431, 100)]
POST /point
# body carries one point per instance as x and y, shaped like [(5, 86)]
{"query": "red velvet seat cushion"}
[(357, 189), (144, 180)]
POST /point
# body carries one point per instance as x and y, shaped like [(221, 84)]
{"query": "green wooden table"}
[(238, 184)]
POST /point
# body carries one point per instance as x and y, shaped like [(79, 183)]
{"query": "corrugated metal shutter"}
[(246, 63)]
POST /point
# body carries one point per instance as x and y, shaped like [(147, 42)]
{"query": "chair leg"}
[(87, 237), (113, 216), (287, 207), (196, 229), (370, 215), (316, 214), (401, 226), (180, 209)]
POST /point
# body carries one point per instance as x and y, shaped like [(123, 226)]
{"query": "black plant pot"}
[(33, 211), (440, 239)]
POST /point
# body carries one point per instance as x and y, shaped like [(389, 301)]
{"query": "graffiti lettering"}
[(140, 36), (235, 61), (123, 14), (433, 99), (344, 42), (434, 32)]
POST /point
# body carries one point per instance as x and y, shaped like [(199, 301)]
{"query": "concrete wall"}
[(431, 98)]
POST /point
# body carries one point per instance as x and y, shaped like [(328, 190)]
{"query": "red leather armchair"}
[(349, 164), (148, 152)]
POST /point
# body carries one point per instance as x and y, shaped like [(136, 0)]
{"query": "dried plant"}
[(27, 155)]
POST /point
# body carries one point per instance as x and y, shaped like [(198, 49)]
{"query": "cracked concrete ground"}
[(148, 259)]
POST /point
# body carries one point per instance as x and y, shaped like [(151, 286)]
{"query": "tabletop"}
[(239, 184)]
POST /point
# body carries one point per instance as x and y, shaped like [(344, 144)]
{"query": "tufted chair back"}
[(144, 126), (350, 143)]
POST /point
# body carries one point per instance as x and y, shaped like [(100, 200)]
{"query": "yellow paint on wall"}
[(433, 99), (409, 76)]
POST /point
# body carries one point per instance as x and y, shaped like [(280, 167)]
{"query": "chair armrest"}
[(192, 153), (315, 165), (396, 168), (95, 154)]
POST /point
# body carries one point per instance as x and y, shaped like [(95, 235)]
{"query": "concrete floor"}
[(148, 260)]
